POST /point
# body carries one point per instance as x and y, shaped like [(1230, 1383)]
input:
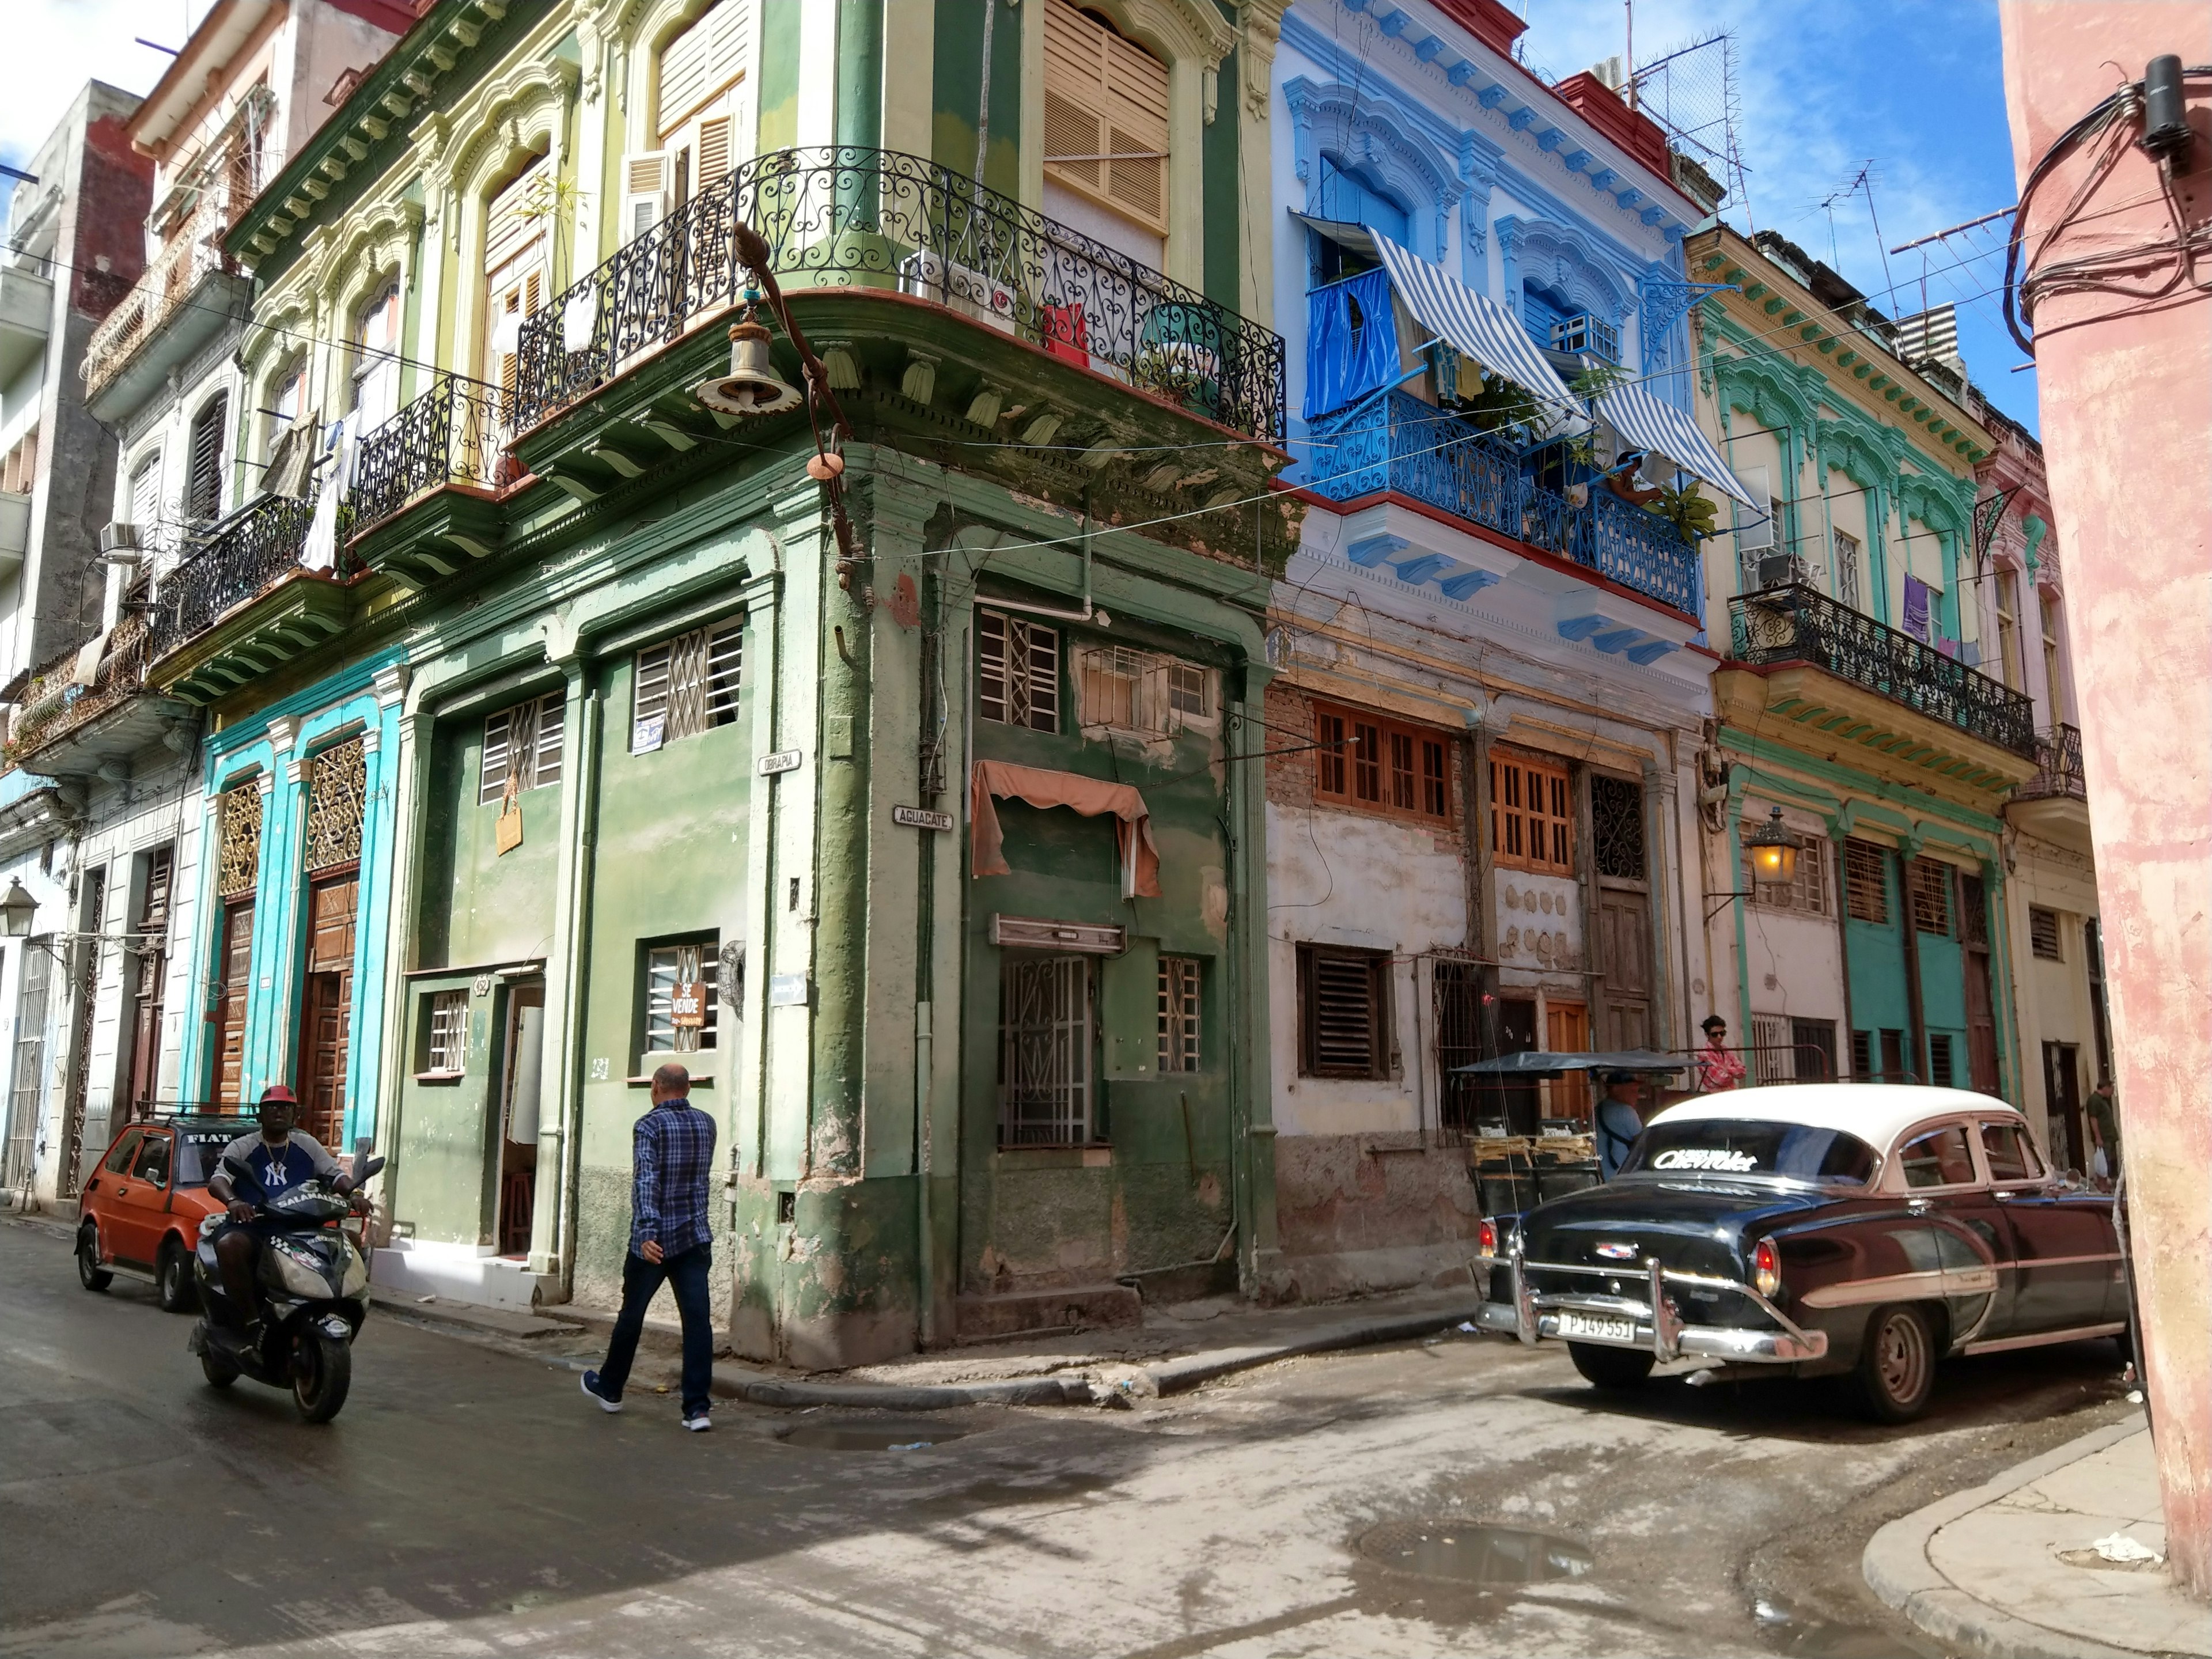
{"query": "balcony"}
[(27, 305), (2054, 804), (1402, 445), (1968, 727), (69, 727), (14, 528), (180, 303), (854, 218), (210, 632)]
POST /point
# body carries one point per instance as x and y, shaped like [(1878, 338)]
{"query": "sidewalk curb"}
[(1897, 1569)]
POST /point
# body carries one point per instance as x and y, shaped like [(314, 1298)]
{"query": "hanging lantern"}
[(751, 387), (1773, 852)]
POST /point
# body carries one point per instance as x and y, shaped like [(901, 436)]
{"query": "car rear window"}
[(1750, 1147)]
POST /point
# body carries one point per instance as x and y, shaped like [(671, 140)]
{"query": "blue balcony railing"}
[(1397, 442)]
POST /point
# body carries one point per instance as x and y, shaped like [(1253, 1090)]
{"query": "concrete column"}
[(2126, 397), (553, 1226)]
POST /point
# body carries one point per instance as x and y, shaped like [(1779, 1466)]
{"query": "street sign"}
[(920, 817), (784, 760), (789, 991)]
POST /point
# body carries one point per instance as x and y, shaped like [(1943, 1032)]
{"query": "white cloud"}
[(54, 46)]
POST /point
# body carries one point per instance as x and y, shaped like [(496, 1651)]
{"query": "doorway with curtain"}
[(521, 1078)]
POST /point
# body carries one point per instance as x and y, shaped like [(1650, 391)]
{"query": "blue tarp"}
[(1352, 341)]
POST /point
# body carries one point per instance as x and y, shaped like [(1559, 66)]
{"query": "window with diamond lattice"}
[(239, 864), (524, 742), (335, 797), (1866, 881), (1932, 896), (1018, 671), (1617, 827), (687, 686)]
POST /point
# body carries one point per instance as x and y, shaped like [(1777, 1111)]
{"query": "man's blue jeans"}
[(687, 1277)]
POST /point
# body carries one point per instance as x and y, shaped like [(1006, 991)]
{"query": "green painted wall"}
[(779, 84), (480, 908), (441, 1184), (959, 87), (1224, 212)]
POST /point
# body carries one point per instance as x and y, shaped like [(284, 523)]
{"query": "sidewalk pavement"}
[(2011, 1570), (1174, 1348)]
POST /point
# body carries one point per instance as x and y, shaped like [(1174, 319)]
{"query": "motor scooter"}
[(311, 1292)]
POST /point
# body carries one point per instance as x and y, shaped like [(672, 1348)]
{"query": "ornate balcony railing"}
[(847, 217), (2058, 766), (1796, 623), (165, 285), (56, 702), (1397, 442), (241, 558), (454, 433)]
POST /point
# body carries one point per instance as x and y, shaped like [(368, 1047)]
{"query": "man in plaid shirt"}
[(673, 1157)]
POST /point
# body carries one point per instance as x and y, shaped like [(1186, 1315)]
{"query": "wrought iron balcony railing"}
[(164, 286), (57, 703), (1798, 623), (1397, 442), (454, 433), (238, 559), (2058, 766), (848, 218)]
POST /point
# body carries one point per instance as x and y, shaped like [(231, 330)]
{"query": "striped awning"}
[(1648, 423), (1476, 327)]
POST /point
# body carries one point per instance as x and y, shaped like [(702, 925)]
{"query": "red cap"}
[(279, 1091)]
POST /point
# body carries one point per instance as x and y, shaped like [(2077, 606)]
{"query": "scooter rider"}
[(280, 1156)]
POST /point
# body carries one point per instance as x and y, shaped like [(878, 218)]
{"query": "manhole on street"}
[(1474, 1554), (875, 1435)]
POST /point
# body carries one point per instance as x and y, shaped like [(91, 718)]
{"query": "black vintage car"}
[(1819, 1228)]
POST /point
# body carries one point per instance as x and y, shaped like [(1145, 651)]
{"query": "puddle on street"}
[(876, 1435), (1472, 1554), (1800, 1635)]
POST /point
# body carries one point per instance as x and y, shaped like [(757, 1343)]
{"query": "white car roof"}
[(1877, 1113)]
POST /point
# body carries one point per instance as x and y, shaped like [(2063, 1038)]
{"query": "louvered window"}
[(203, 471), (1018, 671), (686, 685), (525, 741), (376, 361), (515, 241), (1932, 896), (1343, 1012), (700, 70), (1105, 116), (2042, 934), (1532, 824), (1866, 881), (1179, 978), (146, 499)]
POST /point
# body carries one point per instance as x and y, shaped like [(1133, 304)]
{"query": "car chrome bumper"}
[(1534, 1316)]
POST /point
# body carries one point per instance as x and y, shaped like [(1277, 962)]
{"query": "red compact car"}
[(141, 1207)]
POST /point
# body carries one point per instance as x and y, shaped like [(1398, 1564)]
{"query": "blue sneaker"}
[(699, 1422), (591, 1385)]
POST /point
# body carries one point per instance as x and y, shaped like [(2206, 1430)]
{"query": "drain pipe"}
[(1089, 612)]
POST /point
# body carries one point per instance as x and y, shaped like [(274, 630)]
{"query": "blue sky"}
[(1915, 87)]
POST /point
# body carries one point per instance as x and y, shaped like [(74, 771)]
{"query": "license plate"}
[(1596, 1327)]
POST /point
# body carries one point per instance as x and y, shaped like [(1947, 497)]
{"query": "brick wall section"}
[(1289, 714), (114, 193)]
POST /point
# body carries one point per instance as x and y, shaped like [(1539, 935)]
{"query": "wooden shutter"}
[(1105, 116), (701, 63), (203, 485), (146, 497), (498, 757), (646, 187), (552, 717), (1342, 1011), (1866, 883), (1531, 814), (512, 225)]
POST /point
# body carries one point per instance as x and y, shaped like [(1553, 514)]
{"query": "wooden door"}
[(236, 981), (1566, 1031), (328, 1009), (1625, 938), (148, 966)]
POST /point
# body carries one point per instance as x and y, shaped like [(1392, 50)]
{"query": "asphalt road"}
[(470, 1501)]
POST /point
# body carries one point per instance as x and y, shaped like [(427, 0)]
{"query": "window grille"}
[(203, 471), (1813, 1049), (1932, 896), (1617, 827), (1343, 1020), (1363, 760), (525, 739), (1105, 116), (1044, 1051), (1179, 1013), (336, 793), (1770, 1053), (1019, 671), (1847, 568), (1118, 687), (1808, 891), (1531, 814), (667, 966), (238, 865), (1862, 1056), (1939, 1060), (687, 686), (1866, 881), (447, 1052), (2042, 934)]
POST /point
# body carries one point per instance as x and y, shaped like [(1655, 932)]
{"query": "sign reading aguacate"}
[(920, 817)]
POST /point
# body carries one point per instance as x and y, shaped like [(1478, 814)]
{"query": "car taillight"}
[(1485, 1241), (1766, 1269)]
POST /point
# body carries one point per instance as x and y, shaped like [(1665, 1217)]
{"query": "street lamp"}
[(1773, 852), (17, 910)]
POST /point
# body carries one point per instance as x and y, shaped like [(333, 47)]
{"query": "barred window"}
[(674, 975), (1179, 1013), (1940, 1072), (1806, 892), (1361, 760), (1018, 671), (446, 1039), (1044, 1051), (1866, 881), (2042, 934), (1120, 688), (686, 685), (1617, 827), (524, 740), (1932, 896), (1531, 814)]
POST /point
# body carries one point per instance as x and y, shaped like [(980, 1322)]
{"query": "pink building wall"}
[(2126, 391)]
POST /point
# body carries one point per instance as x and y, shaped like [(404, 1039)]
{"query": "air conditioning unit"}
[(118, 544), (1781, 569)]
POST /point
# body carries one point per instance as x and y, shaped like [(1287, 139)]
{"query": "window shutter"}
[(646, 185), (725, 649), (204, 488), (1342, 994), (146, 495), (1105, 97), (509, 227), (551, 723), (1866, 884), (498, 753), (701, 63)]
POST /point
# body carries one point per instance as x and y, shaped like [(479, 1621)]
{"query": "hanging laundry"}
[(1352, 341), (1919, 603)]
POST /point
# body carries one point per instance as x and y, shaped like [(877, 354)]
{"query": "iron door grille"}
[(1044, 1051)]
